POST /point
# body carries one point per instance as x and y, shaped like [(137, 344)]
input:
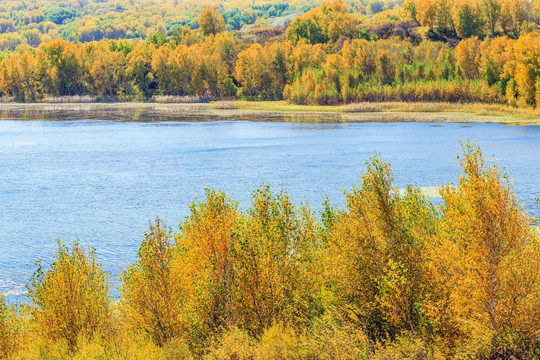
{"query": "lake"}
[(102, 181)]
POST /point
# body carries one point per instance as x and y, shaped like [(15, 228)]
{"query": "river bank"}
[(279, 111)]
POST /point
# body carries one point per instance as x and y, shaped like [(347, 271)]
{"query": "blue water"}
[(102, 181)]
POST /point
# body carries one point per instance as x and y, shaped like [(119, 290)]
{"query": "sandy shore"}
[(271, 111)]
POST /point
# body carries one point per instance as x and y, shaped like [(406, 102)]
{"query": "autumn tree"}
[(376, 253), (106, 71), (426, 12), (33, 37), (139, 69), (513, 14), (497, 61), (443, 16), (326, 23), (227, 48), (64, 68), (308, 29), (263, 72), (305, 55), (526, 68), (211, 22), (409, 9), (70, 300), (490, 10), (213, 65), (149, 300), (337, 20), (162, 67), (276, 264), (467, 54), (8, 329), (484, 264), (204, 270), (10, 78)]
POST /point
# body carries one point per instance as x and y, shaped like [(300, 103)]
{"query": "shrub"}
[(149, 300), (70, 299), (8, 329)]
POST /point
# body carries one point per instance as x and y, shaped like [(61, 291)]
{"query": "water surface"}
[(102, 181)]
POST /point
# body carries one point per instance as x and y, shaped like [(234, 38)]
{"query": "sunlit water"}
[(101, 181)]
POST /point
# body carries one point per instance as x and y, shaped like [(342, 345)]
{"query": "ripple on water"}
[(10, 288), (103, 181)]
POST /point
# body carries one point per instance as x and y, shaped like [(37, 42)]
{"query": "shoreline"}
[(272, 111)]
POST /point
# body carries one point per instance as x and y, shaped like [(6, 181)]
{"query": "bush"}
[(233, 344), (70, 300), (8, 329), (149, 300)]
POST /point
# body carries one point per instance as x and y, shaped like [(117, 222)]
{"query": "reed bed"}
[(70, 99), (224, 105), (172, 99)]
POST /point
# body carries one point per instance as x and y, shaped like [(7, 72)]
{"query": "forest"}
[(389, 275), (306, 52)]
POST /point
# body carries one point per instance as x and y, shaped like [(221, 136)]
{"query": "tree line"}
[(388, 276), (326, 56)]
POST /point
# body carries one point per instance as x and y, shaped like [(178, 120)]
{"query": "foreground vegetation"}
[(389, 276), (421, 50)]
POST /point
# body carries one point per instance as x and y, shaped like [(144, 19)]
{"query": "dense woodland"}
[(307, 53), (388, 276)]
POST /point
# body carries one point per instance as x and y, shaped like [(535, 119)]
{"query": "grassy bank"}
[(273, 111)]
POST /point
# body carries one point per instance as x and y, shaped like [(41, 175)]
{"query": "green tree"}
[(466, 20), (490, 11)]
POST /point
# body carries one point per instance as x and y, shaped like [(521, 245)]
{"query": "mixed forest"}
[(304, 51), (387, 276)]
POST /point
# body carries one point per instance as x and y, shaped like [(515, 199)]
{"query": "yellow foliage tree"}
[(8, 330), (426, 12), (276, 262), (70, 300), (467, 55), (204, 270), (263, 72), (484, 264), (211, 22), (526, 69), (150, 302), (376, 253)]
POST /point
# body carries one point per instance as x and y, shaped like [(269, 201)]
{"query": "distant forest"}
[(305, 52)]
